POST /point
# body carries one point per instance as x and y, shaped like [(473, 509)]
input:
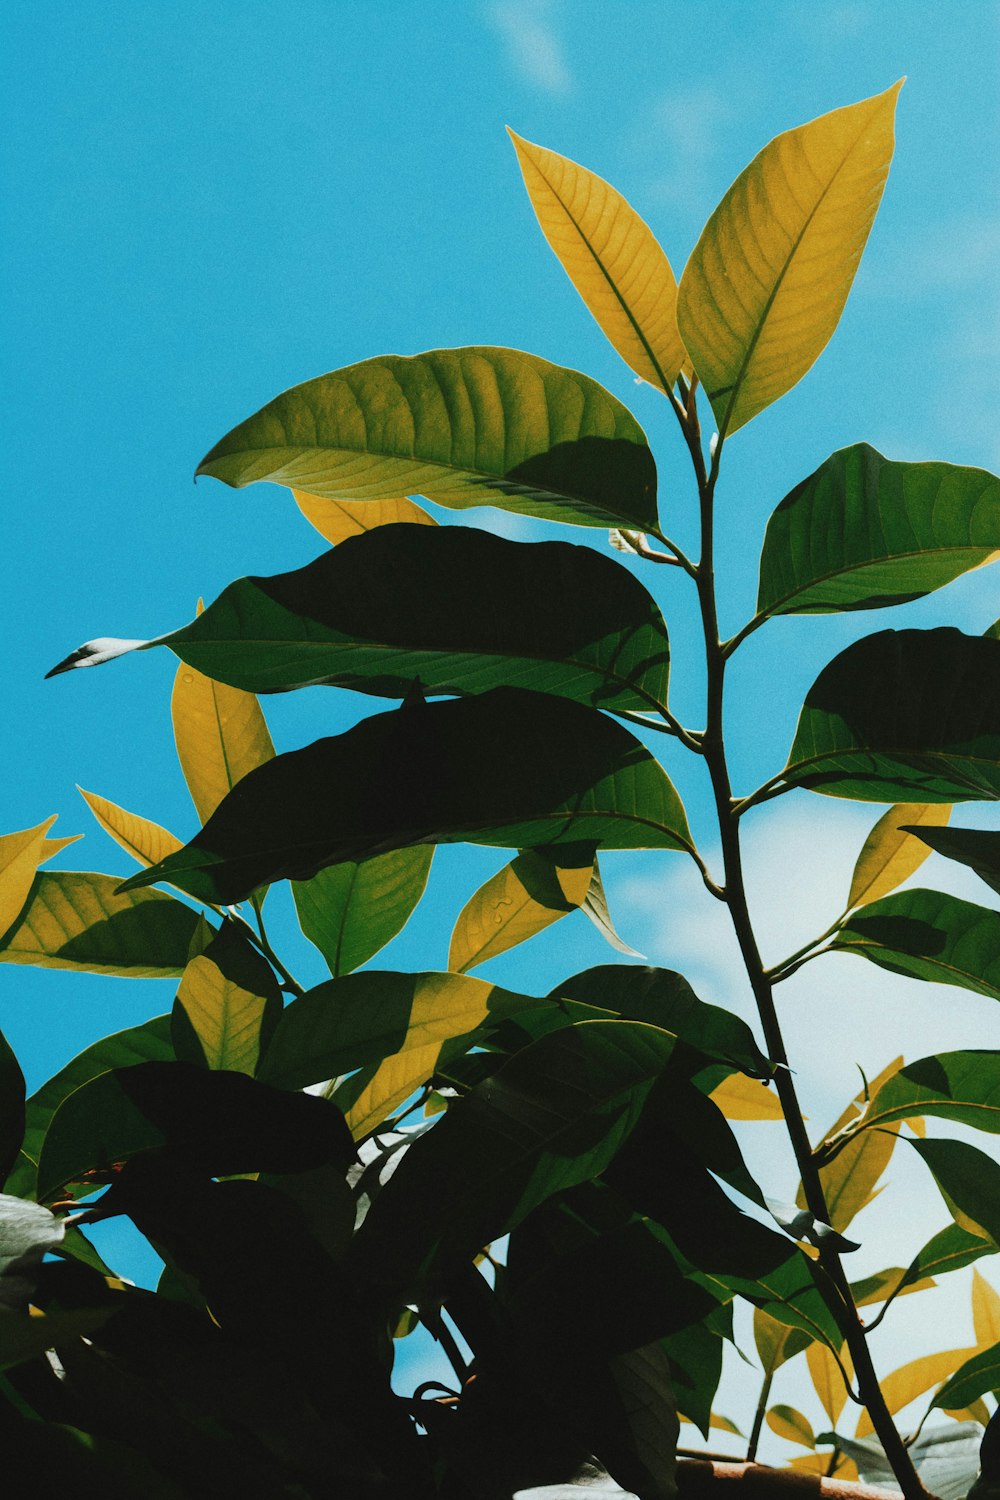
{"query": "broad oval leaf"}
[(77, 920), (510, 768), (892, 851), (145, 841), (903, 715), (351, 910), (338, 519), (790, 1424), (20, 855), (864, 532), (465, 427), (767, 281), (232, 1000), (969, 1182), (977, 848), (522, 899), (612, 258), (928, 935), (911, 1380)]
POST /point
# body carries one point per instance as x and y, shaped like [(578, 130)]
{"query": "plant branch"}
[(788, 965), (758, 1417), (262, 944), (670, 726)]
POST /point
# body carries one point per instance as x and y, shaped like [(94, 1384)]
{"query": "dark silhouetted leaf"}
[(978, 1375), (928, 935), (11, 1108), (969, 1181), (978, 848)]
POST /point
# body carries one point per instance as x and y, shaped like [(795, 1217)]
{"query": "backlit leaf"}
[(828, 1379), (524, 898), (231, 998), (901, 716), (20, 855), (850, 1180), (863, 532), (962, 1086), (351, 910), (893, 1281), (338, 519), (74, 920), (977, 848), (145, 841), (949, 1250), (928, 935), (912, 1380), (509, 768), (465, 427), (969, 1182), (743, 1098), (611, 257), (791, 1425), (595, 906), (979, 1374), (891, 852), (767, 281), (776, 1342), (985, 1311)]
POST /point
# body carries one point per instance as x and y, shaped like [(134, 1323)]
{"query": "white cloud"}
[(533, 43)]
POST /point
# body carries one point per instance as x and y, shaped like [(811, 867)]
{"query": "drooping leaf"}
[(510, 768), (977, 848), (338, 519), (827, 1378), (20, 855), (767, 281), (695, 1355), (928, 935), (892, 852), (465, 427), (985, 1311), (611, 257), (231, 998), (145, 841), (850, 1180), (903, 716), (351, 910), (595, 906), (524, 898), (791, 1425), (11, 1108), (77, 920), (962, 1086), (864, 532), (221, 1123), (912, 1380), (743, 1098), (948, 1250), (977, 1375), (969, 1182)]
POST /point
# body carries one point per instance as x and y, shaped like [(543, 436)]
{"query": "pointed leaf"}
[(892, 852), (912, 1380), (850, 1180), (20, 855), (985, 1311), (767, 282), (928, 935), (351, 910), (11, 1108), (864, 532), (465, 427), (901, 715), (524, 898), (509, 768), (74, 920), (791, 1425), (695, 1355), (595, 906), (338, 519), (145, 841), (828, 1379), (743, 1098), (611, 257), (979, 1374), (949, 1250), (962, 1086), (892, 1282), (977, 848), (231, 998), (969, 1182)]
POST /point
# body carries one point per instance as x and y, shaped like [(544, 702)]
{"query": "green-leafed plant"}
[(321, 1169)]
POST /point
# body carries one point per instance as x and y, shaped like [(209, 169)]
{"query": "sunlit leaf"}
[(611, 257), (850, 1180), (969, 1182), (351, 910), (20, 855), (892, 852), (595, 906), (510, 768), (863, 532), (338, 519), (523, 899), (928, 935), (231, 998), (819, 1464), (912, 1380), (145, 841), (903, 716), (776, 1342), (791, 1425), (828, 1379), (892, 1282), (979, 1374), (985, 1311), (465, 427), (949, 1250), (743, 1098), (767, 281), (962, 1086), (977, 848), (74, 920)]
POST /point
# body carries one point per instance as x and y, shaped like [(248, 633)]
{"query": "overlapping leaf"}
[(850, 1180), (976, 1376), (892, 851), (912, 1380), (509, 768), (351, 910), (230, 998), (969, 1182), (903, 716), (977, 848), (20, 856), (928, 935), (767, 281), (864, 532), (465, 427), (612, 258), (338, 519), (522, 899), (961, 1086), (950, 1249)]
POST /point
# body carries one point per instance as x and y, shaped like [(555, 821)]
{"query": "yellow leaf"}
[(913, 1379), (220, 733), (977, 1412), (985, 1311), (20, 856), (849, 1180), (743, 1098), (220, 993), (612, 258), (145, 841), (889, 855), (776, 1342), (826, 1377), (819, 1463), (716, 1419), (525, 897), (338, 519), (791, 1425), (768, 279)]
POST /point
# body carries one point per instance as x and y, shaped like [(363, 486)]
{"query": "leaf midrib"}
[(872, 562)]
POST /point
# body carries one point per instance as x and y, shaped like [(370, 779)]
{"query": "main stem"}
[(832, 1280)]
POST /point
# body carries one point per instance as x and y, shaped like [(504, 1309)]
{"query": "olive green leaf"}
[(338, 519), (351, 910), (11, 1108), (979, 1374), (231, 999), (961, 1086), (522, 899), (464, 427), (969, 1182), (928, 935), (790, 1424), (950, 1249), (977, 848), (892, 851), (850, 1179), (776, 1342)]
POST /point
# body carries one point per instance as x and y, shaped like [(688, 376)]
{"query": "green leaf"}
[(522, 899), (978, 1375), (510, 768), (892, 851), (864, 532), (977, 848), (928, 935), (949, 1250), (220, 1123), (695, 1355), (776, 1342), (351, 910), (231, 998), (74, 920), (962, 1086), (465, 427), (903, 716), (969, 1181), (11, 1108), (768, 279)]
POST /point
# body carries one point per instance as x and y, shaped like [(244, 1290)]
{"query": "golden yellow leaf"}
[(850, 1179), (775, 1342), (913, 1379), (145, 841), (889, 855), (985, 1311), (220, 734), (791, 1425), (743, 1098), (20, 856), (523, 898), (819, 1463), (612, 258), (338, 519), (767, 281), (225, 1016), (724, 1424), (977, 1412), (827, 1379)]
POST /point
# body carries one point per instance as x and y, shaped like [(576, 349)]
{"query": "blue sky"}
[(206, 204)]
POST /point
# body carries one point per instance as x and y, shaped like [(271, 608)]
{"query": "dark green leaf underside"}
[(929, 935)]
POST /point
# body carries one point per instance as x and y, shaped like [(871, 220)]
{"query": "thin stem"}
[(728, 647), (676, 554), (800, 964), (262, 944), (670, 725), (764, 793), (436, 1326), (777, 971), (758, 1417)]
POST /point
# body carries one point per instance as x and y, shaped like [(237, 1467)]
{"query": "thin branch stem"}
[(436, 1326), (734, 641), (670, 725), (778, 971), (758, 1417), (262, 944), (764, 793)]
